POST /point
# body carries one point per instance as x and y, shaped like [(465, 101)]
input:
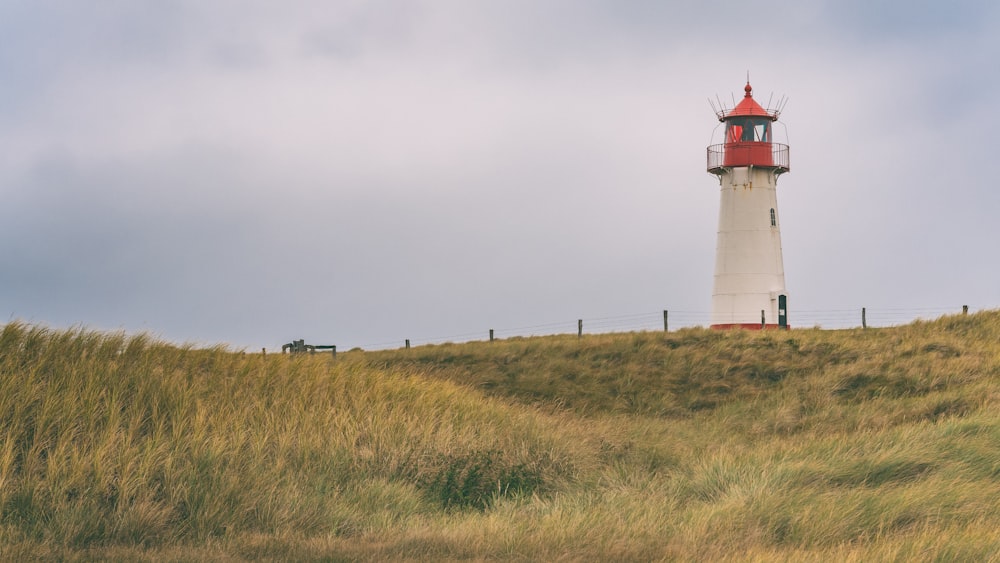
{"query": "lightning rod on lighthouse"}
[(749, 284)]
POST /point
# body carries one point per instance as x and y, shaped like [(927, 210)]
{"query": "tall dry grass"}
[(695, 445), (115, 440)]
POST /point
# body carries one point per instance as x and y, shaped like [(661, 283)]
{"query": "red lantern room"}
[(748, 139)]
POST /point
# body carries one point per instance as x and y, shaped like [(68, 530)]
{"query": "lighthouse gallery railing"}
[(740, 155)]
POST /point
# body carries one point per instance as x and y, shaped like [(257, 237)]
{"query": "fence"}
[(669, 320)]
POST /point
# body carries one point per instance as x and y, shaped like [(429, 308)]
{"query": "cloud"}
[(364, 172)]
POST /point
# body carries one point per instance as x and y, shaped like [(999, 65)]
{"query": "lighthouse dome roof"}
[(749, 107)]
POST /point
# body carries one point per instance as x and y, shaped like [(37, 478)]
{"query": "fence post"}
[(491, 335), (666, 326), (407, 343), (965, 309), (579, 328), (263, 352), (334, 350), (864, 321), (762, 320)]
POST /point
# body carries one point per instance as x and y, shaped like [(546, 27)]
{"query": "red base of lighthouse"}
[(749, 326)]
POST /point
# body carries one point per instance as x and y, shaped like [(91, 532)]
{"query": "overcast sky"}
[(361, 172)]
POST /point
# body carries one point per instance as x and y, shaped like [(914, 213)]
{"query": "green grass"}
[(808, 445)]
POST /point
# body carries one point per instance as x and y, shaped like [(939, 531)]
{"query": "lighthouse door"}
[(783, 311)]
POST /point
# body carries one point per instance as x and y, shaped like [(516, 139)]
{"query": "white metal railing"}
[(744, 154)]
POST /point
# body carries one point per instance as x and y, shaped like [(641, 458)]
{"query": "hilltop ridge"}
[(679, 373)]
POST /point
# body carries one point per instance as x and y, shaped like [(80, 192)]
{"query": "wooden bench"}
[(300, 347)]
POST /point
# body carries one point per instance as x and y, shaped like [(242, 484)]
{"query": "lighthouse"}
[(749, 285)]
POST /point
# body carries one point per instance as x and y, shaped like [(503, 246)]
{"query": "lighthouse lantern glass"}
[(748, 130)]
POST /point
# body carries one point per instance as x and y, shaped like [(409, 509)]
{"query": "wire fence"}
[(670, 320)]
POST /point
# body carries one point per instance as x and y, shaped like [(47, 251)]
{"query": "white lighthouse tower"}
[(749, 286)]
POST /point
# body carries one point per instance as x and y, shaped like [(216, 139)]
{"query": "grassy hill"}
[(879, 444)]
